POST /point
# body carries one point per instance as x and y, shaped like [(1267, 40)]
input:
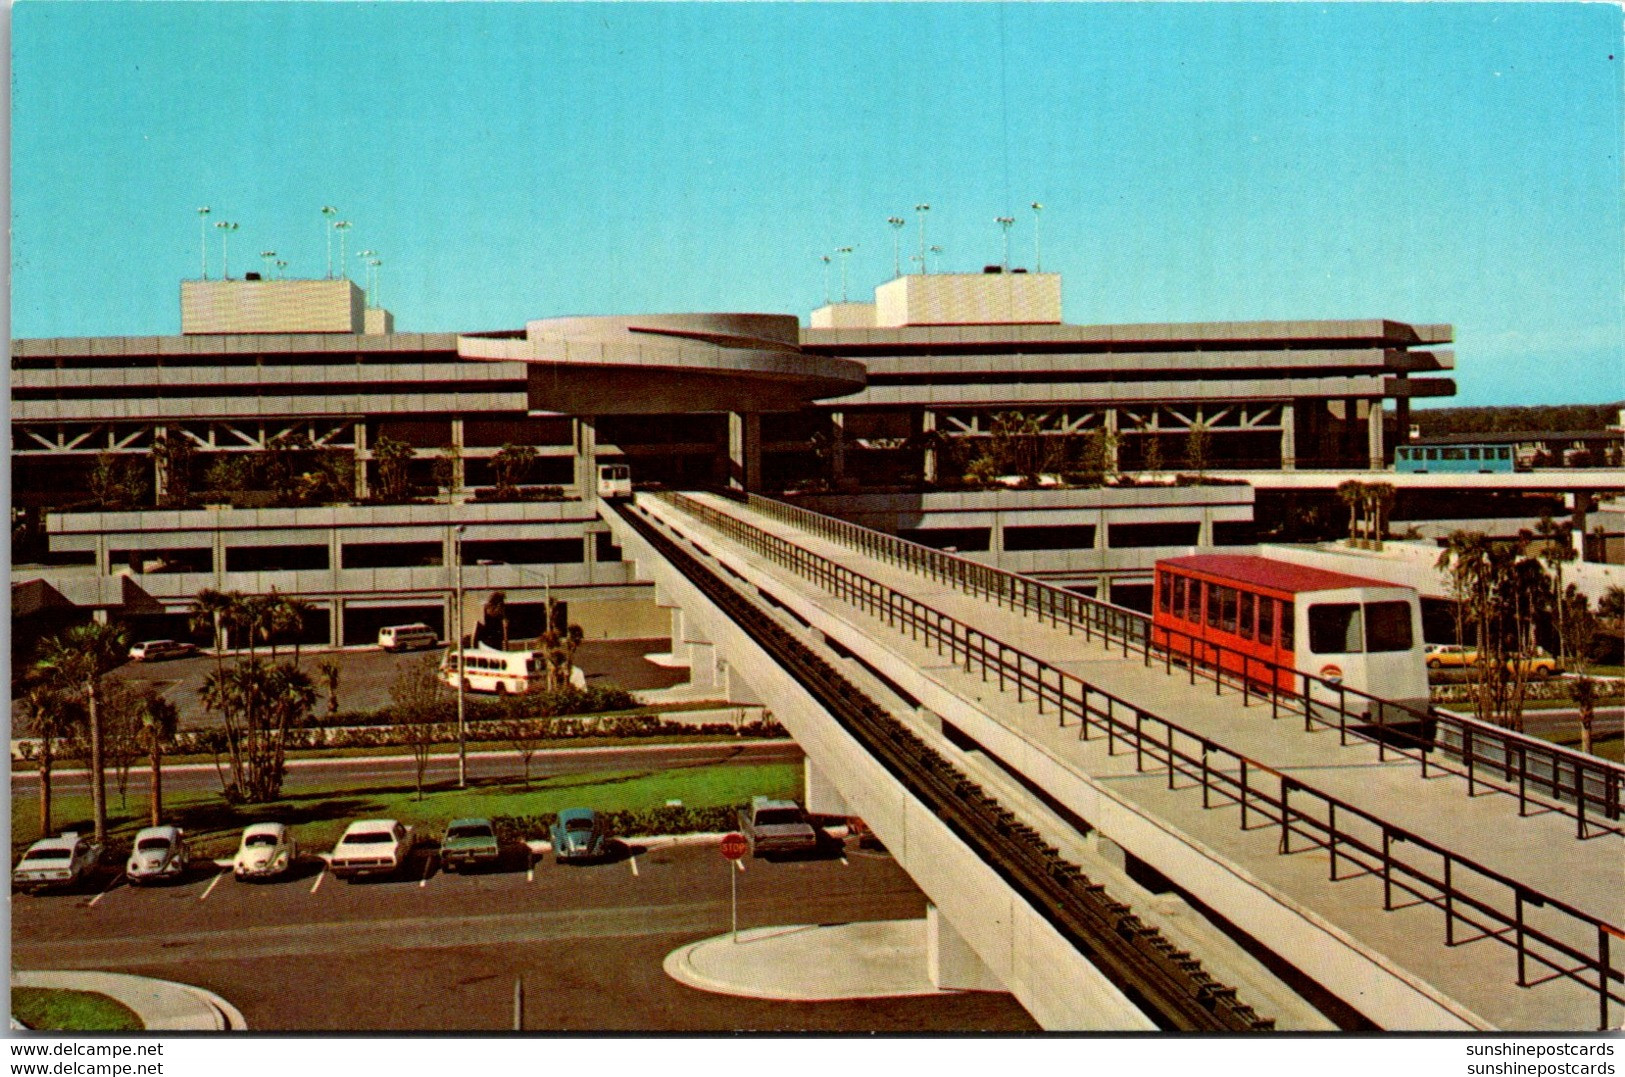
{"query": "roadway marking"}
[(212, 884), (428, 866), (320, 875), (740, 864), (530, 872), (844, 864), (104, 893), (634, 862)]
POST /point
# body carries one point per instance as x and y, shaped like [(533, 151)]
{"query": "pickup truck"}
[(776, 826), (371, 847)]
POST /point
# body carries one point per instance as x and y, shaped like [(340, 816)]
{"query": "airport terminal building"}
[(288, 437)]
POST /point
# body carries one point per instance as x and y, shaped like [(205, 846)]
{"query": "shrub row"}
[(212, 741), (1610, 690), (666, 819), (568, 700)]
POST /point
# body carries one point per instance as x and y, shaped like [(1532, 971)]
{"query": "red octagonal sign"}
[(734, 846)]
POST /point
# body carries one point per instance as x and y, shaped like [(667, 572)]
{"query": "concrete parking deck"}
[(1473, 980)]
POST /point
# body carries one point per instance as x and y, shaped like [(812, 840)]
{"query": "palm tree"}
[(209, 615), (287, 613), (330, 669), (1352, 491), (51, 716), (73, 662), (1381, 500), (159, 719), (1557, 550)]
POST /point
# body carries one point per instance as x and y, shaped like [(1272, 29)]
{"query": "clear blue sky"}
[(1426, 162)]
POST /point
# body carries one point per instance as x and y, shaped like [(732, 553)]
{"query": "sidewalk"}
[(162, 1005), (810, 963)]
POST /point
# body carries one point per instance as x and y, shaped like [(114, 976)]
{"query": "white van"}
[(407, 637)]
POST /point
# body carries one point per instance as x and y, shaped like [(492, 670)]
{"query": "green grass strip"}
[(72, 1011)]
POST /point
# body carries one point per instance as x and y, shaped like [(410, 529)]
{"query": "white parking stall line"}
[(740, 864), (844, 863), (530, 873), (428, 866), (116, 880), (634, 862), (212, 884), (320, 875)]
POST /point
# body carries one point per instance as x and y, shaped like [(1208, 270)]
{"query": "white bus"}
[(486, 669), (614, 480)]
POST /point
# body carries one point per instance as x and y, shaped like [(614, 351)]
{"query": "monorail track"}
[(1168, 984)]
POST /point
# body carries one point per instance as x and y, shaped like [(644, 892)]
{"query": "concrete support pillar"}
[(745, 450), (586, 459), (837, 448), (1373, 435), (1103, 590), (457, 447), (822, 796), (336, 624), (1109, 427), (928, 427), (736, 688), (1289, 437), (952, 964), (361, 457), (1204, 530), (702, 664), (1578, 505), (160, 465)]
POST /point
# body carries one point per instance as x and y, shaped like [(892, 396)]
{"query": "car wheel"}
[(1434, 663)]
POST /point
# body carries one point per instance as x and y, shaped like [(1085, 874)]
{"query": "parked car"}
[(159, 853), (407, 637), (1449, 656), (372, 847), (1454, 656), (267, 850), (776, 826), (579, 834), (469, 843), (59, 861), (154, 650)]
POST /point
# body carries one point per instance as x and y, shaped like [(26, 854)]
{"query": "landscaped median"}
[(678, 797), (49, 1010)]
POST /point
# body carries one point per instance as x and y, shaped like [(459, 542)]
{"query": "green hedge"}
[(667, 819)]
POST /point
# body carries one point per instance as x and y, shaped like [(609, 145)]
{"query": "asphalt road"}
[(397, 770), (440, 952)]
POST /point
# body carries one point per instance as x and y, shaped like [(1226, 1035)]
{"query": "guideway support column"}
[(951, 963), (586, 437), (822, 796), (744, 450)]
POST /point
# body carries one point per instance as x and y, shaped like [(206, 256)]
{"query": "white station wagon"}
[(371, 847)]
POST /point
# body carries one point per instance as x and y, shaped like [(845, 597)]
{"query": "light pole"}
[(843, 252), (280, 266), (328, 213), (375, 263), (897, 224), (936, 250), (1038, 251), (203, 237), (922, 209), (343, 229), (1004, 224), (269, 258), (366, 274), (826, 260), (226, 229), (462, 676)]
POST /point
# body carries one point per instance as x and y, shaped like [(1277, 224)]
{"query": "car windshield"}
[(47, 854), (578, 824), (370, 837), (260, 839), (480, 831), (152, 845), (778, 817)]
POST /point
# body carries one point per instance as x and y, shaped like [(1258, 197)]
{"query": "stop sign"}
[(734, 846)]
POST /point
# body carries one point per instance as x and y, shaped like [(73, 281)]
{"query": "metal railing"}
[(1543, 776), (1468, 892)]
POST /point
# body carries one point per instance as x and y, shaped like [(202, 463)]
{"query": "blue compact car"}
[(579, 834)]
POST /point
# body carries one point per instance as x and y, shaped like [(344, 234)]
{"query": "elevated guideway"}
[(1478, 887), (1075, 957)]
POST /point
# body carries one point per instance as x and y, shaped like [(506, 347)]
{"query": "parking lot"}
[(433, 951), (366, 674)]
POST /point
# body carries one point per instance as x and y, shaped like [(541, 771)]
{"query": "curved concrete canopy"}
[(663, 363)]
